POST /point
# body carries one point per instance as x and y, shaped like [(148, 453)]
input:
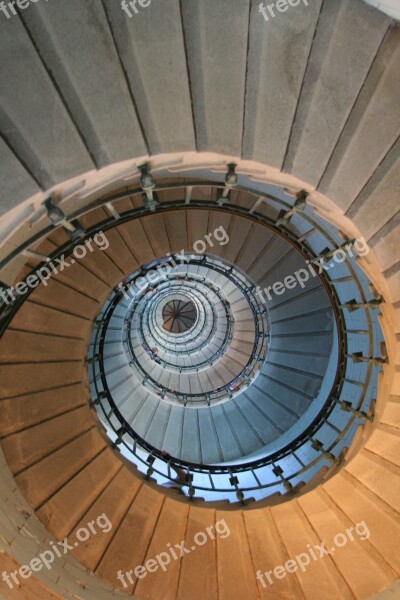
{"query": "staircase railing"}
[(282, 471)]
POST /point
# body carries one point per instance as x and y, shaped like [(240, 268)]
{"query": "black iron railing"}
[(269, 474)]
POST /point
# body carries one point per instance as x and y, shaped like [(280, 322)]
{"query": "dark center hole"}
[(179, 316)]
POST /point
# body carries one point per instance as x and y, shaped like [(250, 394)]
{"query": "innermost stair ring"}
[(179, 315)]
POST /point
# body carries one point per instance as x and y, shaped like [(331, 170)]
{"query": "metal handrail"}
[(285, 230)]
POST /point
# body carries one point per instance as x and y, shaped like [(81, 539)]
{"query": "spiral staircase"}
[(162, 352)]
